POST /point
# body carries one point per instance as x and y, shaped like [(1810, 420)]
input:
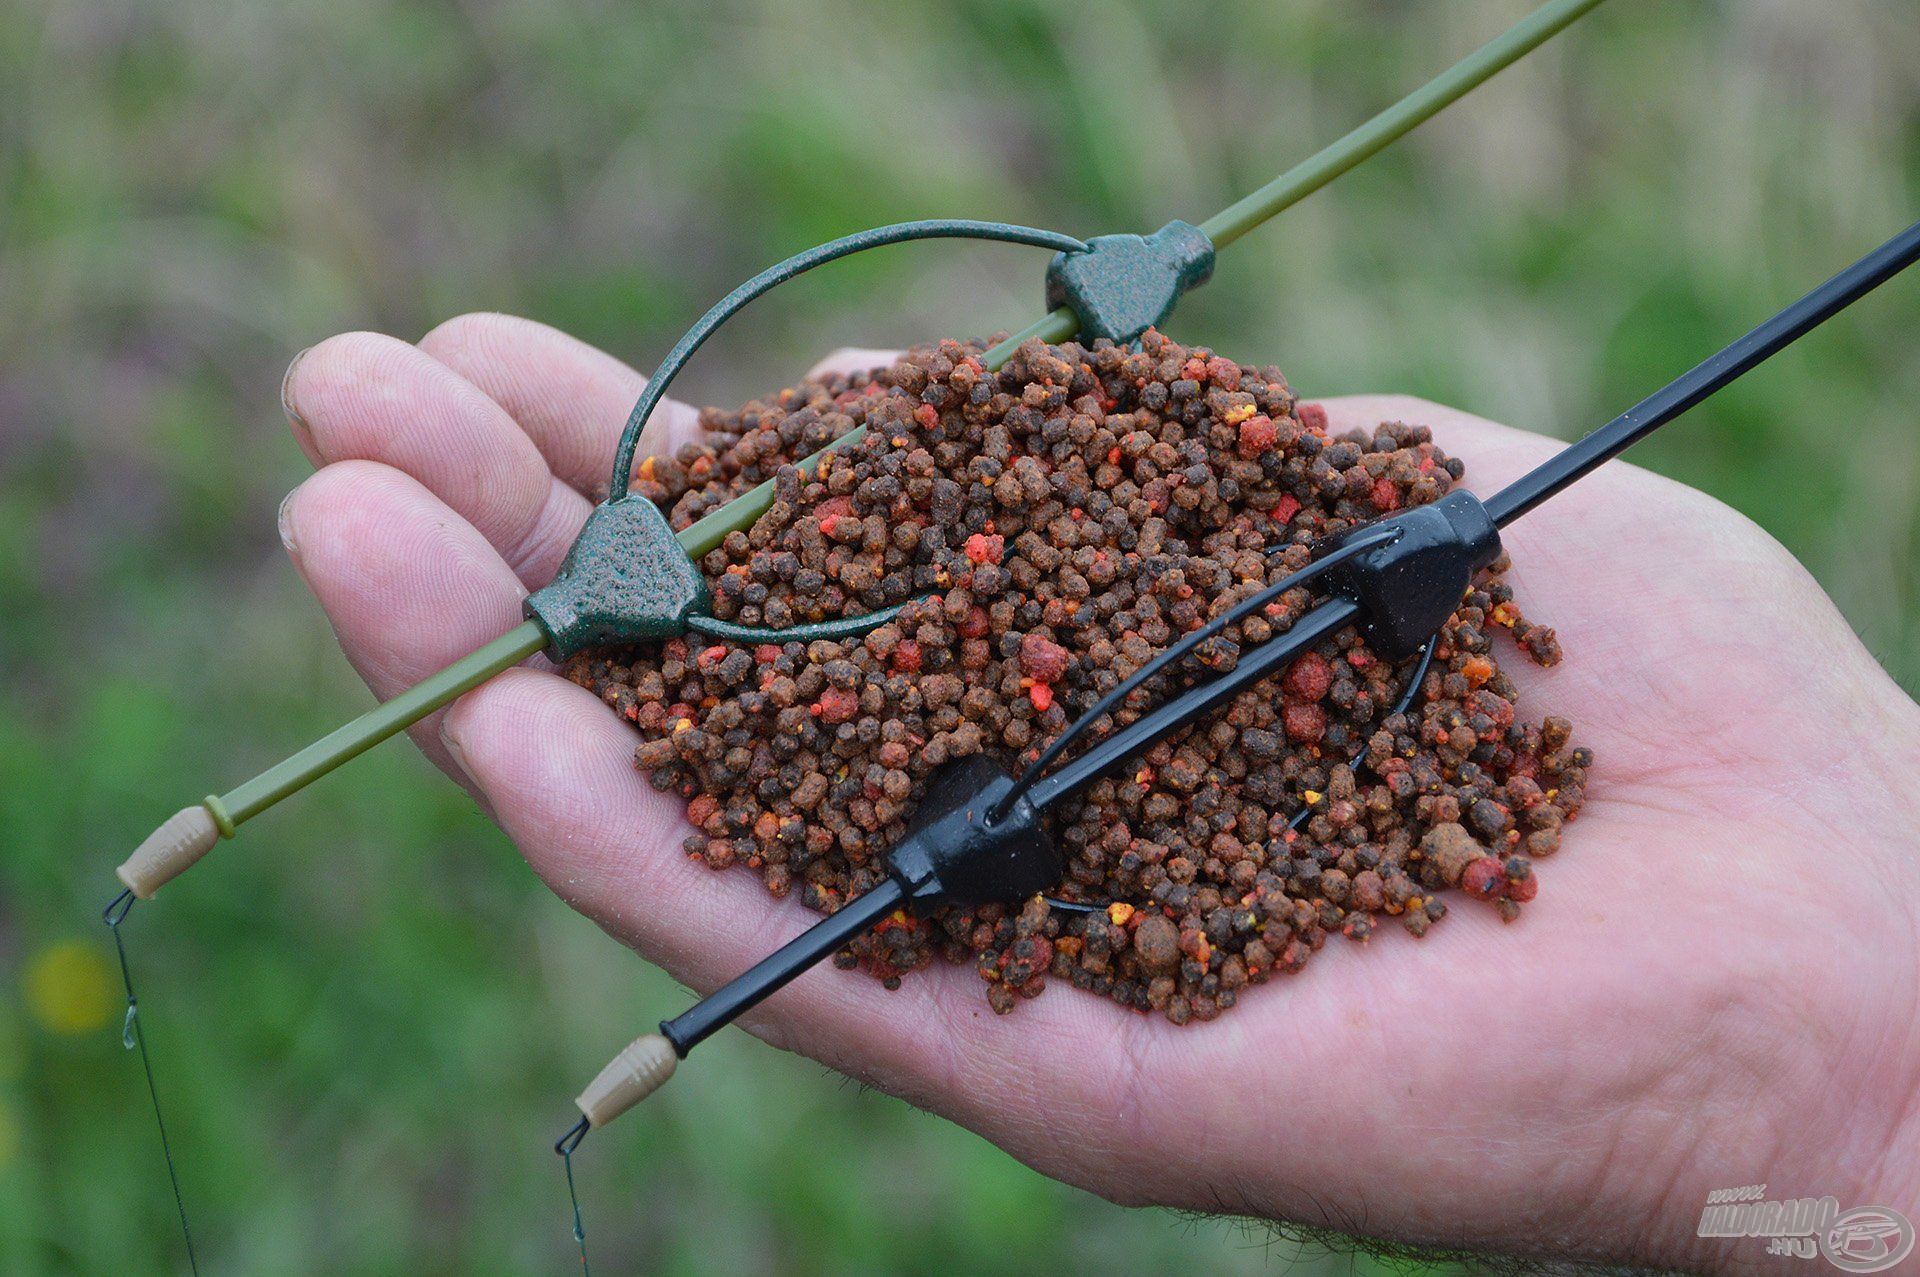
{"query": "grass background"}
[(368, 1018)]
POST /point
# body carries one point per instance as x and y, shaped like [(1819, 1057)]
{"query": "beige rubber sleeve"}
[(186, 836), (632, 1076)]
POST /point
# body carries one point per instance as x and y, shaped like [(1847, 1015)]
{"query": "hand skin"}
[(1717, 985)]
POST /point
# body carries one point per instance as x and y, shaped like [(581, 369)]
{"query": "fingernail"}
[(285, 521), (294, 419), (452, 745)]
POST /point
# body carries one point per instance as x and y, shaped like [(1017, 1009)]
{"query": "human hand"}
[(1715, 987)]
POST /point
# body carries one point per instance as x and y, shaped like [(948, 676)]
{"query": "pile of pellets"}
[(1050, 527)]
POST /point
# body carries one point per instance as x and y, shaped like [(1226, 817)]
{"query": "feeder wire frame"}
[(1360, 544), (798, 264), (1408, 696)]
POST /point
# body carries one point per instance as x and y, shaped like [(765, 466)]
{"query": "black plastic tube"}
[(1663, 405), (747, 990)]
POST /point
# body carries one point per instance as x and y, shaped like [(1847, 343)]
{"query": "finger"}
[(571, 399), (368, 397), (408, 585), (558, 769), (853, 359)]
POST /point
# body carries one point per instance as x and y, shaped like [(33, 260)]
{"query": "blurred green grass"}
[(365, 1045)]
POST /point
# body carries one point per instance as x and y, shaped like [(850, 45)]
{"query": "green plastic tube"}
[(384, 720), (1308, 176)]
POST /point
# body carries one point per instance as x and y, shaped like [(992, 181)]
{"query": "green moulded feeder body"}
[(1125, 284), (626, 580)]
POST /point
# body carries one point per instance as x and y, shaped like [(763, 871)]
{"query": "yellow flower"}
[(69, 988)]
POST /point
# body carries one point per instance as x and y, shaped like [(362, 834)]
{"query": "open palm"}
[(1716, 986)]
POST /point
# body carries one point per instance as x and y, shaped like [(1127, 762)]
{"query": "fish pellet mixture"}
[(1055, 524)]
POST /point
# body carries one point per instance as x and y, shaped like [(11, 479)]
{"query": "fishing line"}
[(567, 1143), (133, 1035), (1408, 695)]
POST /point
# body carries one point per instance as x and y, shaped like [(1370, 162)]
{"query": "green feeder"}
[(630, 579)]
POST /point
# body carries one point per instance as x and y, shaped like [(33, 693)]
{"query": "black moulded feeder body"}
[(1409, 586), (977, 836)]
